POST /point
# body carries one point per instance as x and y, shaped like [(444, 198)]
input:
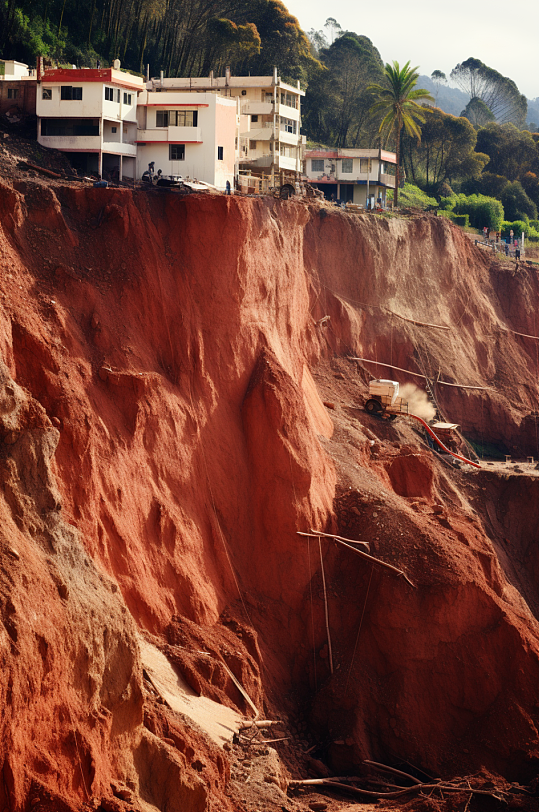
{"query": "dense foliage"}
[(181, 37)]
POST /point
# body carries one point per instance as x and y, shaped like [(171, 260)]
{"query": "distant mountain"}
[(452, 100), (449, 99)]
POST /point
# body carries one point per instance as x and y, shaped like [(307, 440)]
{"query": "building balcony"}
[(387, 180), (167, 134), (257, 109)]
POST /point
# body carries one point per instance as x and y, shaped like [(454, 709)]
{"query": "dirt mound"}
[(163, 442)]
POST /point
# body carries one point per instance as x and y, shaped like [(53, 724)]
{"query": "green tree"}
[(336, 108), (512, 152), (478, 113), (516, 203), (497, 92), (397, 100), (445, 152), (439, 78)]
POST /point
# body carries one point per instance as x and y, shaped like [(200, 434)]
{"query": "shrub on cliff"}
[(483, 211), (516, 203), (410, 195)]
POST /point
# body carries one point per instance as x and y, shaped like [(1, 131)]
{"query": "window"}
[(109, 94), (252, 144), (243, 92), (347, 166), (127, 98), (113, 129), (68, 93), (365, 165), (118, 96), (317, 165), (46, 94), (220, 153), (288, 126), (66, 126), (289, 100), (254, 119), (176, 152), (12, 93), (176, 118)]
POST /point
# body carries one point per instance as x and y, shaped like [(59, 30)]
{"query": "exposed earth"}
[(180, 395)]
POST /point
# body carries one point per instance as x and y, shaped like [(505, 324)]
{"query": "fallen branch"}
[(371, 558), (240, 688), (270, 741), (329, 782), (387, 769), (333, 536)]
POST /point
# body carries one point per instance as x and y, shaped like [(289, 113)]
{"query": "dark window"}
[(127, 98), (317, 165), (63, 126), (252, 144), (12, 93), (113, 129), (68, 93), (46, 94), (254, 119), (118, 96), (109, 94), (176, 152), (347, 166), (219, 153), (176, 118)]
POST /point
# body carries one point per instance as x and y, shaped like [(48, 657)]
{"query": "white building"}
[(90, 114), (268, 135), (353, 175), (187, 134)]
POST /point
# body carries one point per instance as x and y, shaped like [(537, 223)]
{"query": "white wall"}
[(216, 127)]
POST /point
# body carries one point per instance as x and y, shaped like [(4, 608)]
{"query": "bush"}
[(482, 210), (519, 227), (413, 196), (462, 220), (516, 203)]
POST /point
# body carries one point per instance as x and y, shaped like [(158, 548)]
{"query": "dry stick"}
[(385, 768), (240, 688), (420, 323), (333, 536), (326, 605), (328, 782), (371, 558)]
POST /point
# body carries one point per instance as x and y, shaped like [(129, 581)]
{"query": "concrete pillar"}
[(100, 164), (121, 176)]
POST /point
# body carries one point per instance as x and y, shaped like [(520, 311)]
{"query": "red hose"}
[(442, 446)]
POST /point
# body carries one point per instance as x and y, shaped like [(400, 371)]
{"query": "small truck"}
[(384, 400)]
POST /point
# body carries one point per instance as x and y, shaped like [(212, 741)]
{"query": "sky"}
[(437, 36)]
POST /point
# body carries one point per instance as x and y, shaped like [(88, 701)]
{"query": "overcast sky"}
[(437, 36)]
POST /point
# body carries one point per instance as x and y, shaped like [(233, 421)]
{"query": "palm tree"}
[(397, 100)]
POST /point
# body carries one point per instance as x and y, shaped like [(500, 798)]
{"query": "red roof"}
[(103, 75)]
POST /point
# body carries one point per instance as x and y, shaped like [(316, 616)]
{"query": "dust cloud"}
[(418, 401)]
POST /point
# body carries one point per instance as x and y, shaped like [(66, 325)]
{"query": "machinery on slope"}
[(384, 402)]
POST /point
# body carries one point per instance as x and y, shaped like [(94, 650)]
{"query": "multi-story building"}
[(90, 114), (355, 175), (268, 139), (17, 89), (187, 134)]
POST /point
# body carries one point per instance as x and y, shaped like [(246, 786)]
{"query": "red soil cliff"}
[(163, 441)]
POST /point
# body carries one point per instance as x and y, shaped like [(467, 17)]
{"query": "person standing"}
[(227, 188)]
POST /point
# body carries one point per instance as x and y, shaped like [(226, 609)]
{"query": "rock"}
[(329, 404), (318, 806)]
